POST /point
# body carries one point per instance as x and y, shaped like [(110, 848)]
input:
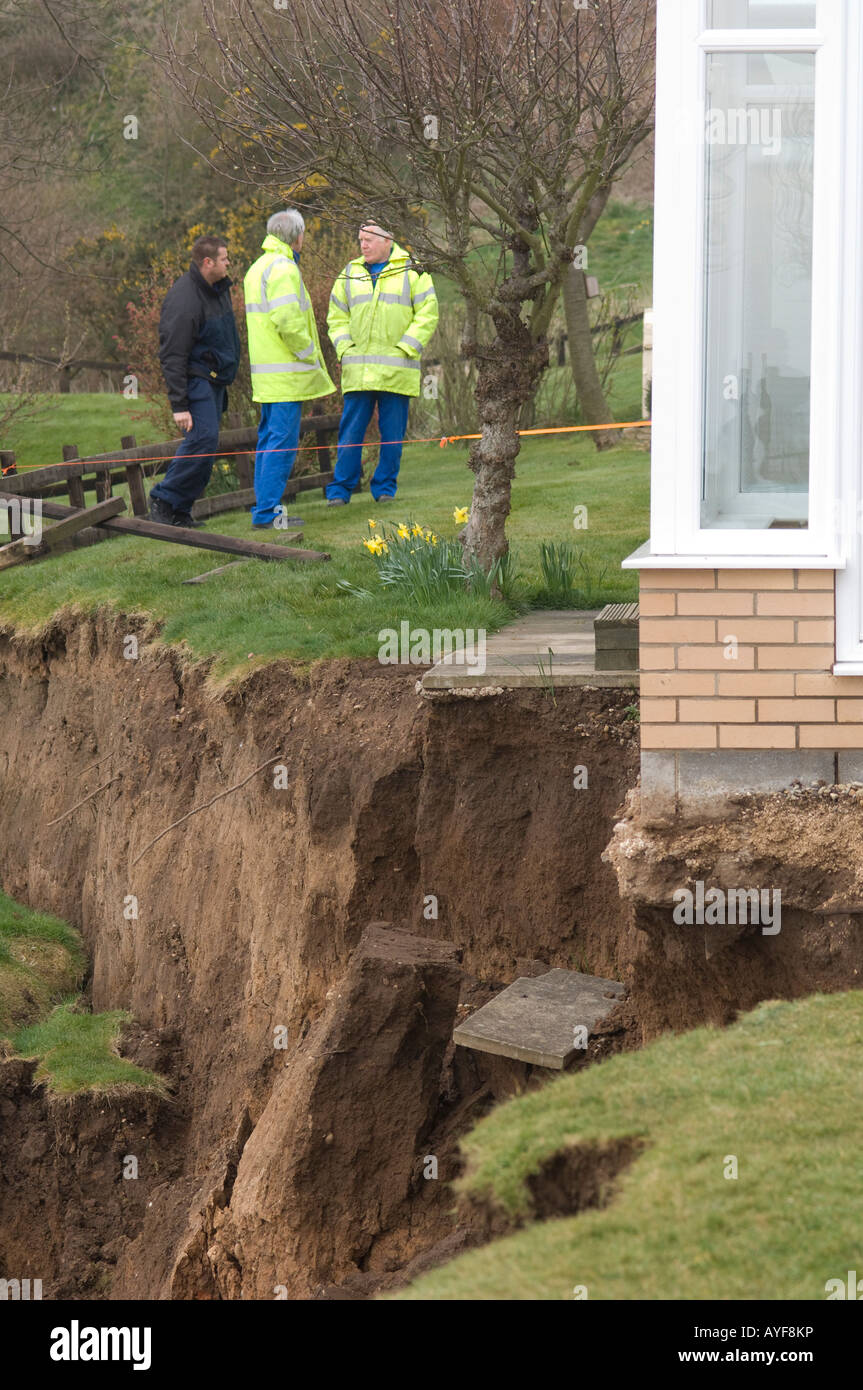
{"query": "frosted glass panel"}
[(758, 290), (761, 14)]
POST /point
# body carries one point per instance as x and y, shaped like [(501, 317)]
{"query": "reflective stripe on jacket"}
[(284, 348), (379, 331)]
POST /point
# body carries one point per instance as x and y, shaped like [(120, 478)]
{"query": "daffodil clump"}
[(407, 534), (412, 555)]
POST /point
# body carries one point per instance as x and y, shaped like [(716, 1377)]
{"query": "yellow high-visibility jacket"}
[(379, 332), (284, 347)]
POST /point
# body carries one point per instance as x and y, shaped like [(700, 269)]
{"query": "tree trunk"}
[(591, 396), (507, 376)]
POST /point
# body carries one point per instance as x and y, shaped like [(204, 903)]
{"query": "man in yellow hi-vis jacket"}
[(285, 355), (382, 313)]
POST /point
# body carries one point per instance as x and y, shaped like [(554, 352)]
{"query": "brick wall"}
[(742, 659)]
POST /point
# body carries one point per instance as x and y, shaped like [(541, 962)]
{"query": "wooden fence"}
[(133, 462)]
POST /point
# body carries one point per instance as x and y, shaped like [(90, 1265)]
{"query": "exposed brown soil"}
[(310, 1057), (249, 921), (807, 845)]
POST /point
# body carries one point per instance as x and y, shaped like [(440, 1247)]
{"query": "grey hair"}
[(288, 226)]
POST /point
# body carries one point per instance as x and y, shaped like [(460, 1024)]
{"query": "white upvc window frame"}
[(677, 536)]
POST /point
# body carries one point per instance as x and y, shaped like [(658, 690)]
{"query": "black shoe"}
[(161, 512), (186, 519)]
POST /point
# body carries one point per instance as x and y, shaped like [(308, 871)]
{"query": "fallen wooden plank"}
[(18, 552), (184, 535), (207, 540), (210, 574)]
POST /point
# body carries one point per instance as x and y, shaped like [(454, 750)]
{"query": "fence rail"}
[(133, 462)]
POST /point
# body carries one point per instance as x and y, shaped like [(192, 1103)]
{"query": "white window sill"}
[(642, 559)]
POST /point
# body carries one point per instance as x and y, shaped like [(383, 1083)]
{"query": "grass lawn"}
[(95, 421), (296, 610), (781, 1090)]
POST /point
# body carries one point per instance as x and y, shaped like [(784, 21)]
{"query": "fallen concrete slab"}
[(545, 1020)]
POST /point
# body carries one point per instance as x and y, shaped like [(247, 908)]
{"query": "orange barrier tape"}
[(312, 448), (557, 429)]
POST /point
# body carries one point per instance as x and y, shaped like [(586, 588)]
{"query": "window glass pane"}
[(761, 14), (758, 266)]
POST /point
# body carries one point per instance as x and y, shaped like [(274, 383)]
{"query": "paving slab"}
[(534, 1020), (518, 656)]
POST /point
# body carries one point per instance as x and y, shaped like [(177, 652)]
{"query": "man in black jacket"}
[(199, 349)]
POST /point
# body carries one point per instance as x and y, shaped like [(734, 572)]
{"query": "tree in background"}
[(486, 134)]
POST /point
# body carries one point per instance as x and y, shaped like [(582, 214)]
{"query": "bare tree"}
[(485, 133)]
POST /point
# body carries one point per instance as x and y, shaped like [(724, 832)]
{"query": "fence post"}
[(135, 480), (76, 485), (7, 465), (103, 484)]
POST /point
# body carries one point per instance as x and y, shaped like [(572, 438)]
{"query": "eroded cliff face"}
[(801, 851), (234, 940)]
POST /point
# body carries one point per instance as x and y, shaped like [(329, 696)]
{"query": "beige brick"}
[(657, 658), (714, 659), (654, 736), (815, 605), (756, 736), (796, 711), (717, 604), (831, 736), (704, 711), (678, 630), (756, 579), (816, 630), (850, 711), (676, 683), (816, 579), (658, 711), (756, 629), (678, 579), (795, 658), (829, 685), (657, 605), (775, 686)]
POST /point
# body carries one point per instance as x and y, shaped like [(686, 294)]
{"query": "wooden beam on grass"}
[(17, 552), (184, 535)]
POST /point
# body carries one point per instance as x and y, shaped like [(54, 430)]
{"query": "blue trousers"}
[(356, 418), (186, 477), (278, 437)]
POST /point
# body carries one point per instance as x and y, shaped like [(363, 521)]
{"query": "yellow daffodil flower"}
[(417, 530), (460, 515), (404, 532), (373, 524)]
